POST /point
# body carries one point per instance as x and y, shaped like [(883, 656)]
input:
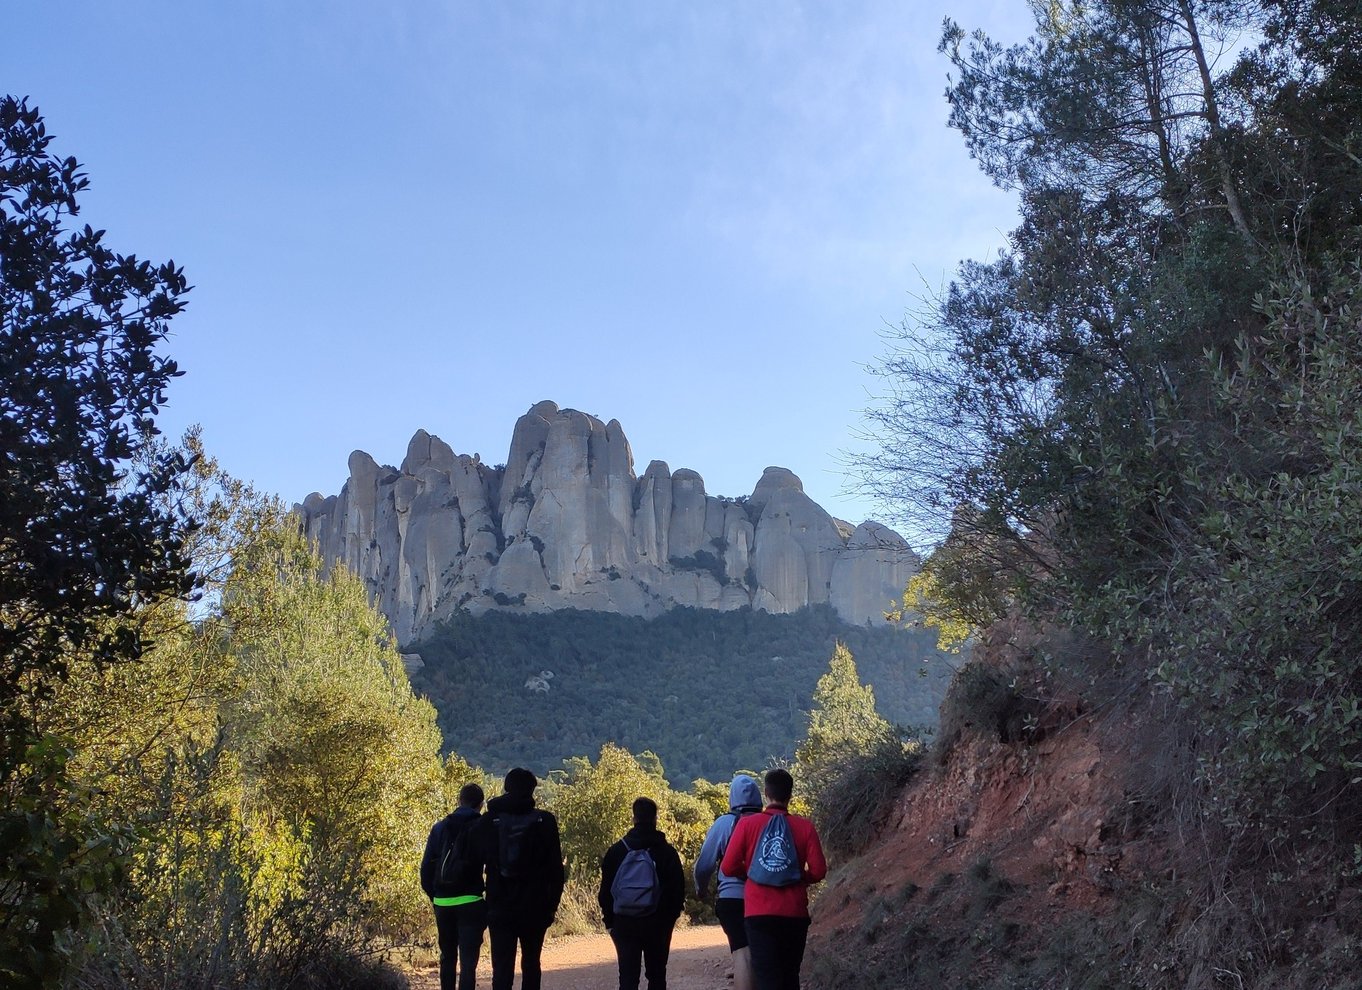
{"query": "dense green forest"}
[(707, 691)]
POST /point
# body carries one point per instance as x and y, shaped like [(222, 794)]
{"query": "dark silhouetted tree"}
[(89, 532)]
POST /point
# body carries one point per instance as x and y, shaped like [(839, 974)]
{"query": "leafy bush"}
[(1260, 626), (703, 560), (594, 802), (858, 787), (594, 806), (988, 700), (269, 767), (579, 913)]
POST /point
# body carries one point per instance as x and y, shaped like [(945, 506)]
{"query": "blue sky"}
[(696, 218)]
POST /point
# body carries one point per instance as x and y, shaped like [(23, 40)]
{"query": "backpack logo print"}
[(775, 862)]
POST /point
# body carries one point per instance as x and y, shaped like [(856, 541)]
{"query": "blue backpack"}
[(635, 890), (775, 862)]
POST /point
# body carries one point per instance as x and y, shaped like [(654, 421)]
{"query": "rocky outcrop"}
[(872, 569), (565, 523)]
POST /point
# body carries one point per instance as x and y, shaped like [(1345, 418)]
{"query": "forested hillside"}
[(706, 691)]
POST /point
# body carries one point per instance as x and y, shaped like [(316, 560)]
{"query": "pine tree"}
[(843, 723)]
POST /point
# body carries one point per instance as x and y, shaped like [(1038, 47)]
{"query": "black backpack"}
[(516, 843), (454, 863)]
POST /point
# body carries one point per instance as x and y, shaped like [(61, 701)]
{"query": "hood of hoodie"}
[(744, 793), (511, 804)]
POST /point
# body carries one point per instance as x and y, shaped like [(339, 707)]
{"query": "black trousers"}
[(460, 929), (645, 941), (777, 945), (730, 913), (506, 936)]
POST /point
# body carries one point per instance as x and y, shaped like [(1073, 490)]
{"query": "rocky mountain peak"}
[(566, 523)]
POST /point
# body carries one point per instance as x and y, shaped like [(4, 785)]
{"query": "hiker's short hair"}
[(779, 785), (645, 811), (521, 782), (471, 796)]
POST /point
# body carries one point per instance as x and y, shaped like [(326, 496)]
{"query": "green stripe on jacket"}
[(455, 901)]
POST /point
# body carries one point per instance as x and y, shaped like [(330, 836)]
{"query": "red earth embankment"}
[(1049, 846)]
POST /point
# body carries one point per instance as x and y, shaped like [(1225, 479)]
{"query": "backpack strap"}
[(738, 814), (723, 846)]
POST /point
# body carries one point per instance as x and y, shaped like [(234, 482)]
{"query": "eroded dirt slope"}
[(1048, 846), (993, 863)]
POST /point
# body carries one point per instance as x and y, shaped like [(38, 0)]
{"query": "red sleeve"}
[(739, 851), (815, 866)]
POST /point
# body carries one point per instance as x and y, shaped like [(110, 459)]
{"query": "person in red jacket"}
[(777, 917)]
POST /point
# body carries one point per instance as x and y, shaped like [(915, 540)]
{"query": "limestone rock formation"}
[(871, 571), (567, 524)]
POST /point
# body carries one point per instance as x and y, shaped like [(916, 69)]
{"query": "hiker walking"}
[(520, 848), (642, 892), (744, 798), (453, 881), (780, 856)]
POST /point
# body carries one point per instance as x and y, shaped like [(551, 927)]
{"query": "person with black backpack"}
[(453, 882), (779, 856), (744, 798), (642, 892), (520, 848)]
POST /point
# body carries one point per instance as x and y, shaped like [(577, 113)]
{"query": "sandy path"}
[(699, 961)]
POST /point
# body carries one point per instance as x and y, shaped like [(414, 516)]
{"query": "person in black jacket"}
[(521, 850), (453, 881), (648, 936)]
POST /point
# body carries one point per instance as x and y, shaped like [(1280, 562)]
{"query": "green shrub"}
[(579, 913), (274, 775), (703, 560), (859, 787), (985, 700)]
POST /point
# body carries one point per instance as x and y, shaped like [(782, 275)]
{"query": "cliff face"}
[(567, 524)]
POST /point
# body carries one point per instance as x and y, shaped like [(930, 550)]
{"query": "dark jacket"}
[(532, 898), (446, 830), (671, 880)]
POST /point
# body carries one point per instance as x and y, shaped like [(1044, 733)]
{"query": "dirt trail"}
[(699, 961)]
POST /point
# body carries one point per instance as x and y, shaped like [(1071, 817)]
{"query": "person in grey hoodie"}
[(744, 798)]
